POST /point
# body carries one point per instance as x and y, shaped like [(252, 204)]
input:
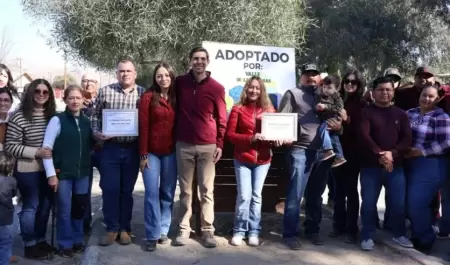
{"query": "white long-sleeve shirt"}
[(51, 133)]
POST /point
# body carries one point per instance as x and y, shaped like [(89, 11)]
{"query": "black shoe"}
[(151, 245), (351, 239), (35, 253), (335, 233), (79, 248), (163, 239), (87, 228), (293, 243), (66, 253), (44, 246), (315, 239)]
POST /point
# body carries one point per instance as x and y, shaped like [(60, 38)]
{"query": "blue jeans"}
[(372, 179), (250, 182), (300, 162), (6, 242), (72, 198), (425, 177), (95, 162), (330, 140), (313, 194), (120, 167), (444, 221), (160, 181), (37, 198)]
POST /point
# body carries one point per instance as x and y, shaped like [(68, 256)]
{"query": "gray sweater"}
[(302, 100), (8, 189)]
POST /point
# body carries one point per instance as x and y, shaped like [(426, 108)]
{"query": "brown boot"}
[(125, 238), (107, 239), (13, 259)]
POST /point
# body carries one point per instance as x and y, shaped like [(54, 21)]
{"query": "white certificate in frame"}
[(279, 126), (120, 122)]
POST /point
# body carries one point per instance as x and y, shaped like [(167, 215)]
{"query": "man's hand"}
[(321, 107), (44, 152), (386, 157), (334, 124), (53, 183), (143, 164), (413, 152), (101, 137), (343, 114), (217, 154)]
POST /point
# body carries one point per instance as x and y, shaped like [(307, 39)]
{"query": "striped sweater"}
[(24, 138)]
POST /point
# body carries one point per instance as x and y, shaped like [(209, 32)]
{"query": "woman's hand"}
[(43, 152), (53, 183), (143, 164), (258, 137)]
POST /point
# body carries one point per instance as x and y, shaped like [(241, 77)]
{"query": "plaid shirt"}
[(431, 131), (113, 97)]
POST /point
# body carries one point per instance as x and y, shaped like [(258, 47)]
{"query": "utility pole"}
[(65, 71)]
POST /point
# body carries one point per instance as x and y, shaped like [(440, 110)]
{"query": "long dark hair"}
[(359, 85), (10, 86), (156, 89), (27, 106)]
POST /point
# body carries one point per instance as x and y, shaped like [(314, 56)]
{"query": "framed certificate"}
[(279, 126), (120, 122)]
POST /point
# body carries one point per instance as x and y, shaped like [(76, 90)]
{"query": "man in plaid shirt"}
[(119, 165)]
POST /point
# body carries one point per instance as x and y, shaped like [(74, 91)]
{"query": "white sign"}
[(120, 122), (232, 64), (279, 126)]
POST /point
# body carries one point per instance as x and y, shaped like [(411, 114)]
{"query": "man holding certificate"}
[(303, 162), (115, 122)]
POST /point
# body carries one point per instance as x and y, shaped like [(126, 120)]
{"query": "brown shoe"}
[(125, 238), (107, 239), (327, 155), (13, 259), (338, 161)]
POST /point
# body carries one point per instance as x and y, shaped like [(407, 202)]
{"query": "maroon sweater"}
[(353, 106), (201, 111), (383, 129)]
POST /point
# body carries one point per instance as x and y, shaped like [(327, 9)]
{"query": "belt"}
[(122, 144)]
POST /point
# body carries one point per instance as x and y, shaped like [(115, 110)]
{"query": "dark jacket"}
[(334, 105), (8, 189), (72, 149)]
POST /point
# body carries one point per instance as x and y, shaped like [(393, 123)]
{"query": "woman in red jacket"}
[(252, 156), (157, 151)]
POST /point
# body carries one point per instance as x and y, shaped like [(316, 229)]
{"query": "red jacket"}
[(201, 111), (243, 123), (156, 126)]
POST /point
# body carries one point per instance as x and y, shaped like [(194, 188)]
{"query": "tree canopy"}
[(101, 31), (373, 35)]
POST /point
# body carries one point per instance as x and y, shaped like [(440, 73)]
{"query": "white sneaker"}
[(403, 241), (237, 240), (367, 245), (253, 241)]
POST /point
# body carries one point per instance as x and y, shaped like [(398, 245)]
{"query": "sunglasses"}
[(351, 82), (41, 92)]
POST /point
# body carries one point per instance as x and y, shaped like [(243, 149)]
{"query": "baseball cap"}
[(392, 71), (309, 67), (423, 71)]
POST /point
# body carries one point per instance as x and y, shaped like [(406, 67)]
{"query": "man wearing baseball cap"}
[(394, 75), (304, 167)]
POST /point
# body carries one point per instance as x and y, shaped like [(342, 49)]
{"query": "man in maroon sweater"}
[(200, 129), (385, 135)]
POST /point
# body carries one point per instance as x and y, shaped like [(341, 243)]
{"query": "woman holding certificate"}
[(252, 157), (157, 150)]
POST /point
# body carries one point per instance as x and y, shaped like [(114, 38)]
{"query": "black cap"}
[(309, 67), (423, 71)]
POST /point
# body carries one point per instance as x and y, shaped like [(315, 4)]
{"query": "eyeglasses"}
[(351, 82), (89, 81), (41, 92)]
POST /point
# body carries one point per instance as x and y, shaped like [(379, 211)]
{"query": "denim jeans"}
[(313, 194), (330, 140), (120, 167), (444, 221), (160, 181), (6, 241), (346, 200), (372, 180), (71, 202), (250, 182), (37, 198), (300, 162), (425, 177), (95, 162)]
